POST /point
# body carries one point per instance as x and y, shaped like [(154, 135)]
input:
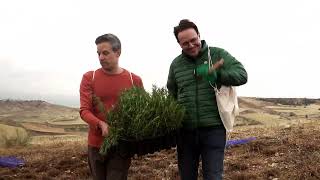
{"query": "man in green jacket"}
[(203, 133)]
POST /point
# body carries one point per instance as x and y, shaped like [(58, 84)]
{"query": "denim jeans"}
[(209, 143)]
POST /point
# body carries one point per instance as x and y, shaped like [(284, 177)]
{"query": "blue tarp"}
[(239, 141), (11, 161)]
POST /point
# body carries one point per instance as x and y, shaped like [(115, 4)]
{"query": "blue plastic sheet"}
[(239, 141), (11, 161)]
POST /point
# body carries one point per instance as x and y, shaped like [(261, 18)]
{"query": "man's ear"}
[(118, 52)]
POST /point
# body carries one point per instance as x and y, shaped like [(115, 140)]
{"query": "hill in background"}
[(40, 117), (287, 144)]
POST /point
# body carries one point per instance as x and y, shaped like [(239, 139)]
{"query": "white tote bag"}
[(227, 102)]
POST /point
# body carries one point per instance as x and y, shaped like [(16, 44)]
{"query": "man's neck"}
[(117, 70)]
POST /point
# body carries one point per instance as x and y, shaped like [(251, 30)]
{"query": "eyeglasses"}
[(192, 42)]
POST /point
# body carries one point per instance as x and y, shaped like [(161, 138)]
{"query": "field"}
[(287, 147)]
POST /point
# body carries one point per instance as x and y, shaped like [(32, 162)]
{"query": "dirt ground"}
[(277, 153)]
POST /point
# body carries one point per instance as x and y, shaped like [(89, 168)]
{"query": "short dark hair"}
[(110, 38), (183, 25)]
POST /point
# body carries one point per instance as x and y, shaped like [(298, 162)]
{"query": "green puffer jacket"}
[(194, 92)]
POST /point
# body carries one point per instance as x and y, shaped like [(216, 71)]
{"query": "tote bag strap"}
[(131, 78), (93, 74), (209, 65)]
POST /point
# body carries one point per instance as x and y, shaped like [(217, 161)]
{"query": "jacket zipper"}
[(197, 103)]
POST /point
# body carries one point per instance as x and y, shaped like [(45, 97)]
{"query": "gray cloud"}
[(24, 84)]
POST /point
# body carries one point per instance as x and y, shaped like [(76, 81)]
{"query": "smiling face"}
[(190, 42), (107, 57)]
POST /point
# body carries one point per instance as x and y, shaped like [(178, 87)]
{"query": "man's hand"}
[(104, 127), (216, 65)]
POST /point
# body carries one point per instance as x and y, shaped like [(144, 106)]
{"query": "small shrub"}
[(13, 136)]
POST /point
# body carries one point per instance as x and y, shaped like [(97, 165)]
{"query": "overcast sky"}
[(46, 46)]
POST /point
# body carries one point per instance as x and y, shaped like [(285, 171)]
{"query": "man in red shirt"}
[(106, 83)]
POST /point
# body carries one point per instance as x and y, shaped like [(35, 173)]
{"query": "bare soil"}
[(277, 153)]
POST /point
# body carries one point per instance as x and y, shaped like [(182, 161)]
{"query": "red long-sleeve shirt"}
[(108, 88)]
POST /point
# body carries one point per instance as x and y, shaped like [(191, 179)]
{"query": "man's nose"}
[(101, 57), (190, 45)]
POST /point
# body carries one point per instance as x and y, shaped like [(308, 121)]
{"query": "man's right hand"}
[(104, 127), (216, 65)]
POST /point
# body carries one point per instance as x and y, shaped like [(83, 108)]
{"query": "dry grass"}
[(287, 146), (11, 136), (42, 128), (264, 118), (283, 153), (278, 115), (298, 110), (57, 139)]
